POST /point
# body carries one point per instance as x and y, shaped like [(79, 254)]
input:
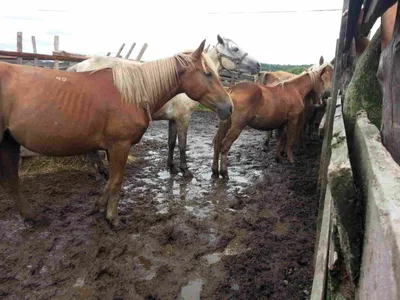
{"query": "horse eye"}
[(236, 49), (208, 74)]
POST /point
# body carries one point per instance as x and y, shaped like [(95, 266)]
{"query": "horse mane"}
[(142, 84), (312, 74), (317, 67)]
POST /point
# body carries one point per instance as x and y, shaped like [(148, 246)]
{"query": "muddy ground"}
[(249, 238)]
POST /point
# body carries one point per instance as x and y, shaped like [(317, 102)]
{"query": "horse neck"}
[(213, 54), (165, 91), (302, 84)]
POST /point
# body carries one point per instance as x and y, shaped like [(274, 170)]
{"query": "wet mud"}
[(249, 238)]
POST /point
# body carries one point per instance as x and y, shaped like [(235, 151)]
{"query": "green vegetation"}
[(295, 69)]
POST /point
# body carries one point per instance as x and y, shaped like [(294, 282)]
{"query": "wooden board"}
[(389, 79)]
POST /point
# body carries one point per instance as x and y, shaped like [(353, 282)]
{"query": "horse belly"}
[(267, 122)]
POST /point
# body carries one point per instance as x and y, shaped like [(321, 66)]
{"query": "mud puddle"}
[(183, 238)]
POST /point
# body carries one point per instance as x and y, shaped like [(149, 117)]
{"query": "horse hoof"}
[(187, 174), (95, 176), (114, 223), (225, 175), (97, 209), (173, 169), (105, 175), (215, 175), (36, 222)]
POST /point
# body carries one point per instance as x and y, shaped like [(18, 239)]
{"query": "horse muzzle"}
[(224, 111)]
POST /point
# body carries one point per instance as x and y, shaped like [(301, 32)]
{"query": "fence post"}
[(130, 51), (56, 48), (120, 50), (35, 60), (19, 46), (141, 52)]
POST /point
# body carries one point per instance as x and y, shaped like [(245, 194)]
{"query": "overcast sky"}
[(176, 25)]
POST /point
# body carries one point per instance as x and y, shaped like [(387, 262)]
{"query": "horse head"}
[(326, 71), (233, 58), (200, 81)]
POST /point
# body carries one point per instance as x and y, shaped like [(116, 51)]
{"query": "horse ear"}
[(197, 53), (321, 60), (220, 39)]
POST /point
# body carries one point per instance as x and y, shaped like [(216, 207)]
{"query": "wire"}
[(272, 11)]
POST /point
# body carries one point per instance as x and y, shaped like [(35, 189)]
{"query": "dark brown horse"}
[(265, 108), (58, 113)]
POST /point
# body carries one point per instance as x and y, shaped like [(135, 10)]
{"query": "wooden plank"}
[(330, 116), (389, 80), (56, 48), (139, 57), (321, 264), (373, 9), (19, 46), (130, 51), (65, 53), (120, 50), (35, 60), (28, 55)]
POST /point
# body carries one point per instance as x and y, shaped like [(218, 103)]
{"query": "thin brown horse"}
[(58, 113), (265, 108)]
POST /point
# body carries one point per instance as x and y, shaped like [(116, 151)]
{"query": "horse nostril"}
[(231, 109)]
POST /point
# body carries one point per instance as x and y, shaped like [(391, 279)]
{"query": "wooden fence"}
[(226, 78)]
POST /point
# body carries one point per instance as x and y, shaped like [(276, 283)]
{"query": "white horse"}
[(226, 54)]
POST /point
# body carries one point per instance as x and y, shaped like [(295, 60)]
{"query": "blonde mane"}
[(144, 84), (312, 74)]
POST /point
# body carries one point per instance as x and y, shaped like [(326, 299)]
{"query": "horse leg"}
[(221, 133), (281, 136), (227, 142), (172, 131), (291, 137), (268, 137), (182, 127), (118, 156), (9, 179), (96, 163), (301, 120)]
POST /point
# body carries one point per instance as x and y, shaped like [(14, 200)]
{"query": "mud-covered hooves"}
[(173, 170), (96, 177), (225, 176), (215, 175), (105, 175), (36, 223), (117, 224), (187, 174)]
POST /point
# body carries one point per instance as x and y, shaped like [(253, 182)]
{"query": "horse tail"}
[(223, 129)]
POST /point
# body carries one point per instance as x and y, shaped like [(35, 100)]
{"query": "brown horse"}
[(315, 105), (58, 113), (265, 108)]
